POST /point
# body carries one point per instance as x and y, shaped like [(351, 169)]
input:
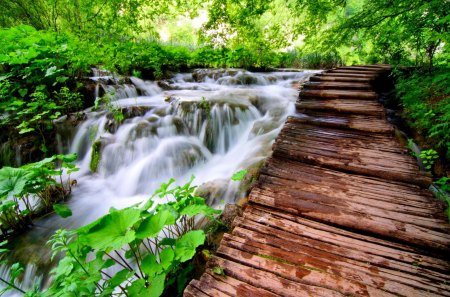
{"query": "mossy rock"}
[(95, 155)]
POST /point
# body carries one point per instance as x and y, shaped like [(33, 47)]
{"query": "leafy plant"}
[(136, 251), (428, 157), (32, 189), (444, 183)]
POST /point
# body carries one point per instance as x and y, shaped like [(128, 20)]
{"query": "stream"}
[(209, 123)]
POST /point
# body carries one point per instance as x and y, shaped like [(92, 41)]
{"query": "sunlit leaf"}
[(187, 244), (238, 176), (62, 210)]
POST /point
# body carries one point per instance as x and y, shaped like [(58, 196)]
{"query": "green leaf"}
[(168, 241), (153, 225), (14, 180), (238, 176), (166, 258), (192, 210), (119, 278), (111, 231), (23, 92), (50, 71), (150, 266), (62, 210), (188, 243), (7, 205)]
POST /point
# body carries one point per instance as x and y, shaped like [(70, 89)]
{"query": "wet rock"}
[(251, 178), (96, 154), (165, 85), (213, 191), (134, 111), (247, 79), (263, 126), (200, 75), (229, 213)]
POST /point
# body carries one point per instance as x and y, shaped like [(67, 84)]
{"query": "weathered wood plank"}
[(300, 274), (270, 281), (232, 286), (337, 85), (320, 263), (356, 185), (344, 151), (318, 78), (337, 94), (395, 230), (348, 74), (373, 72), (350, 106), (360, 123), (370, 246)]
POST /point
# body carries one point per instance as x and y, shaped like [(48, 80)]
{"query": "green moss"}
[(95, 156)]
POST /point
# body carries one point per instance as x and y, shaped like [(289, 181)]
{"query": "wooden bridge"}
[(340, 209)]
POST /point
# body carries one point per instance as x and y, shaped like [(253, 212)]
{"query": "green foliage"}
[(426, 101), (19, 187), (428, 157), (238, 176), (444, 183), (146, 245)]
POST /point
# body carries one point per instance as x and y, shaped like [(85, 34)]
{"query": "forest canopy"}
[(390, 31)]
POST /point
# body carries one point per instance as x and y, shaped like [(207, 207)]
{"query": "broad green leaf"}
[(111, 231), (238, 176), (187, 244), (166, 258), (192, 210), (168, 241), (150, 266), (152, 225), (62, 210), (13, 181), (119, 278), (6, 206)]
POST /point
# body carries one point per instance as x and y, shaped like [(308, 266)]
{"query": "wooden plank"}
[(318, 78), (270, 281), (374, 72), (320, 252), (337, 94), (355, 122), (349, 106), (329, 192), (345, 74), (335, 236), (337, 85), (368, 67), (192, 291), (355, 272), (232, 286), (356, 185), (400, 231), (346, 152), (301, 274)]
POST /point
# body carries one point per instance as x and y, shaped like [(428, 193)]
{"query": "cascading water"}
[(210, 124)]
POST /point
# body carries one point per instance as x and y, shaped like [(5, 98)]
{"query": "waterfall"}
[(210, 124)]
